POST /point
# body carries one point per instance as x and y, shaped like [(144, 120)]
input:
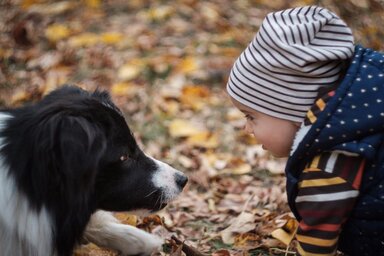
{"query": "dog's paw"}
[(106, 231), (128, 240), (149, 245), (143, 244)]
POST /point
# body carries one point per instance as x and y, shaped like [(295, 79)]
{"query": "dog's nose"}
[(181, 179)]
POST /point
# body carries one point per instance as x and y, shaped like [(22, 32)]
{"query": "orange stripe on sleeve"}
[(322, 227)]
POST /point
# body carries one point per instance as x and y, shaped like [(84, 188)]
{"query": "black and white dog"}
[(64, 158)]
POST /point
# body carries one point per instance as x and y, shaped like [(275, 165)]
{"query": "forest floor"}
[(166, 64)]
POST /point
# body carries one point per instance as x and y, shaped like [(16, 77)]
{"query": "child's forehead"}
[(243, 108)]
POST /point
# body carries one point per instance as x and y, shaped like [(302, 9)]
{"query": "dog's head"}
[(94, 152)]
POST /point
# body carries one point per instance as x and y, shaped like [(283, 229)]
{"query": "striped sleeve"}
[(328, 189)]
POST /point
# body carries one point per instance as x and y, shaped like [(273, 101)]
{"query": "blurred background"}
[(166, 64)]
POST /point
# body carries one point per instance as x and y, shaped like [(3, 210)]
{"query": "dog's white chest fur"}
[(23, 231)]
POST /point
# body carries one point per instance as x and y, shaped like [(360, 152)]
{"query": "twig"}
[(188, 250)]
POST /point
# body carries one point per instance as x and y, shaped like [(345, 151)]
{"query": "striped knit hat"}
[(295, 53)]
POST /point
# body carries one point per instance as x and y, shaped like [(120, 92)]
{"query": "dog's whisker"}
[(161, 198), (154, 191), (157, 200)]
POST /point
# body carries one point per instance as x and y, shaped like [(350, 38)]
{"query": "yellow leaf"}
[(239, 169), (287, 232), (54, 8), (195, 96), (276, 4), (282, 236), (85, 39), (124, 89), (93, 3), (183, 128), (170, 107), (57, 32), (188, 65), (247, 241), (111, 38), (204, 139), (126, 218), (160, 13), (209, 12), (19, 96), (27, 3), (130, 70)]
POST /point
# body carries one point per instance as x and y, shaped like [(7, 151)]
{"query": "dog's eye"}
[(124, 158)]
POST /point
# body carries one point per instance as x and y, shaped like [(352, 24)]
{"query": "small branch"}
[(188, 250)]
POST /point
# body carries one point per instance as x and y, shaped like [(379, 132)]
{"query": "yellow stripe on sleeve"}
[(304, 253), (312, 170), (315, 162), (321, 182), (317, 241)]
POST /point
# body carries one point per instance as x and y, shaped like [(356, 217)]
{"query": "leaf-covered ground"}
[(166, 64)]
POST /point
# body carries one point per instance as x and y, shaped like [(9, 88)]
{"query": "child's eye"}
[(248, 117)]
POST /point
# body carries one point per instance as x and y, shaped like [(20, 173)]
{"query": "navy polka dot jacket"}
[(353, 121)]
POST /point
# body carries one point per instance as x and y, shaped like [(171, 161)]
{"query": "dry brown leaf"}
[(243, 223), (221, 252), (247, 241)]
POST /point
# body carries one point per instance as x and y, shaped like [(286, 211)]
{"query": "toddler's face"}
[(275, 134)]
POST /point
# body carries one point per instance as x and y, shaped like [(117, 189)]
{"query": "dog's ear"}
[(75, 153), (80, 146)]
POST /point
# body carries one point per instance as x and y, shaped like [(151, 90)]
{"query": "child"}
[(309, 94)]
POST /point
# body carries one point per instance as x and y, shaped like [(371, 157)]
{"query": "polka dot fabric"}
[(353, 121)]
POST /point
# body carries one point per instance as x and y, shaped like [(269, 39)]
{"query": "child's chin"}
[(279, 155)]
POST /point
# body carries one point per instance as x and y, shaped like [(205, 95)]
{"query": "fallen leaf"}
[(243, 223), (188, 65), (57, 32), (125, 89), (83, 40), (95, 4), (183, 128), (203, 139), (221, 252), (131, 70), (126, 218), (194, 96), (111, 38), (286, 233), (247, 241)]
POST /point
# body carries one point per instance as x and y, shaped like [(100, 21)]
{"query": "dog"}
[(67, 162)]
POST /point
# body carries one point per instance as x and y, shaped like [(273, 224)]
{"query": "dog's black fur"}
[(73, 153)]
